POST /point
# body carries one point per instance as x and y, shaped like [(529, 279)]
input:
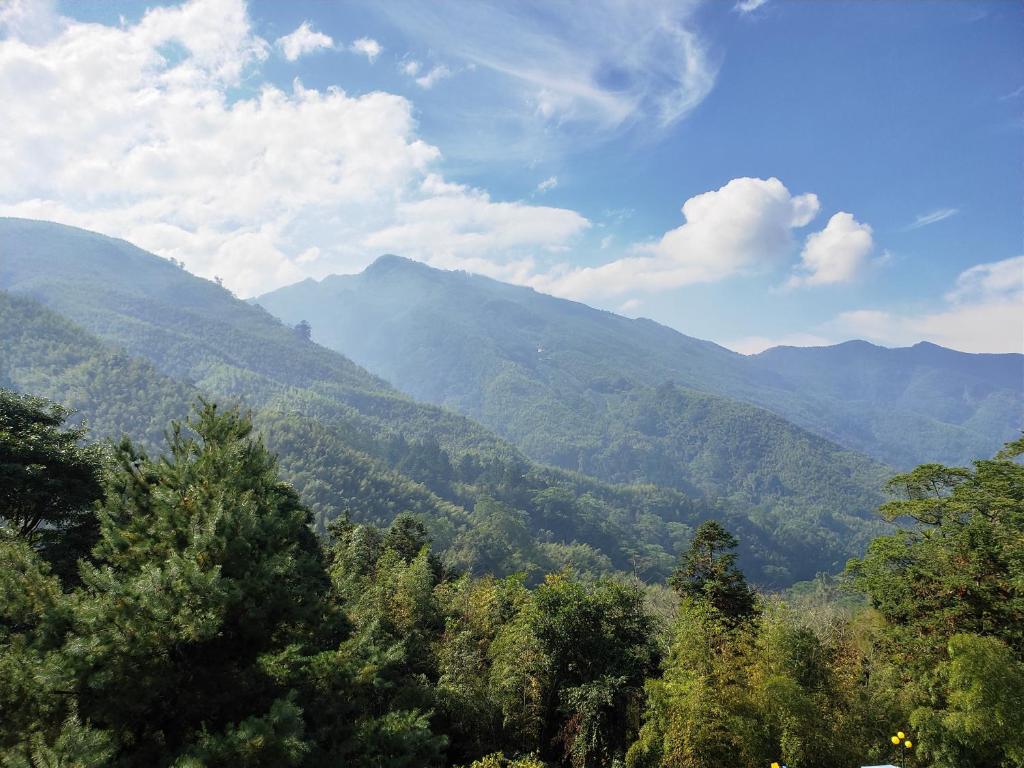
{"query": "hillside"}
[(580, 388), (479, 346), (519, 515), (922, 403)]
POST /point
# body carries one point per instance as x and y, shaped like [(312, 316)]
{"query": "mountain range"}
[(527, 431), (570, 384)]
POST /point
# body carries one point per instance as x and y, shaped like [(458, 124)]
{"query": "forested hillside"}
[(179, 611), (516, 350), (350, 442), (570, 386)]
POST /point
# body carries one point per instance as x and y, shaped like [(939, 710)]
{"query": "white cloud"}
[(749, 6), (983, 282), (630, 306), (411, 68), (836, 254), (367, 46), (433, 77), (744, 226), (931, 218), (548, 184), (303, 40), (138, 131), (752, 345), (601, 64), (454, 226), (984, 312), (30, 20)]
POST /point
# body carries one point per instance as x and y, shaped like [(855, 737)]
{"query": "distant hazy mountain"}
[(910, 405), (552, 374), (580, 388), (129, 338)]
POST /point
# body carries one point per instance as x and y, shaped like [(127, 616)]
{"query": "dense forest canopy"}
[(204, 622)]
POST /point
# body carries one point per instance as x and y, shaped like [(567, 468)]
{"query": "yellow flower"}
[(895, 739), (908, 743), (901, 734)]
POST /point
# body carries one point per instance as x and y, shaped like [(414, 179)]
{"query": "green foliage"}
[(209, 626), (624, 401), (48, 481), (206, 573), (707, 572), (951, 595)]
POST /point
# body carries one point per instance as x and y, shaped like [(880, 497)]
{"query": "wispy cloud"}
[(932, 218), (425, 79), (433, 77), (749, 6), (602, 64), (548, 184)]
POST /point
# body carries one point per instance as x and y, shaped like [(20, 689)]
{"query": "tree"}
[(950, 592), (600, 645), (304, 330), (207, 604), (707, 571), (49, 481)]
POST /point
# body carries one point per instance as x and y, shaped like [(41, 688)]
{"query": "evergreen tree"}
[(707, 572), (208, 601), (49, 482)]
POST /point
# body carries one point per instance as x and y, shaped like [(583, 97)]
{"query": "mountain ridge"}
[(322, 412), (925, 423)]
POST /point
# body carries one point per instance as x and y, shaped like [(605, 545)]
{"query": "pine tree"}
[(49, 482), (707, 572), (208, 600)]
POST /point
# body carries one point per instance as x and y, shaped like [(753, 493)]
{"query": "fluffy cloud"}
[(982, 313), (302, 41), (836, 254), (138, 131), (744, 226), (368, 47)]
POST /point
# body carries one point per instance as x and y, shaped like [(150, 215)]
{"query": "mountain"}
[(130, 339), (913, 405), (538, 369)]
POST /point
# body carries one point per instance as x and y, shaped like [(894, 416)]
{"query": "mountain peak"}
[(389, 262)]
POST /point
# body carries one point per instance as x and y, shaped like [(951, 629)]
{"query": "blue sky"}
[(849, 169)]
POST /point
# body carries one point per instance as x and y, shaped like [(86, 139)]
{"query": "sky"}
[(753, 172)]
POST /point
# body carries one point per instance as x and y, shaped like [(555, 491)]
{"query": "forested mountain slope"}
[(418, 326), (348, 441), (923, 403), (579, 388)]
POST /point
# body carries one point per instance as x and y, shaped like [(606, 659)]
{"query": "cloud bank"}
[(138, 131), (744, 226), (981, 313)]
